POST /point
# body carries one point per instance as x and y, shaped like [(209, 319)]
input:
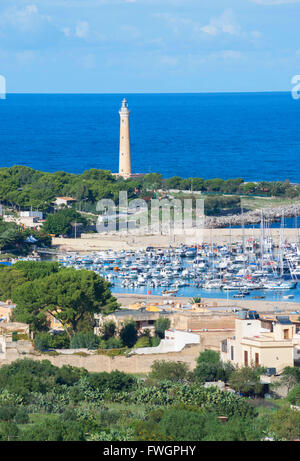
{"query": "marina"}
[(248, 270)]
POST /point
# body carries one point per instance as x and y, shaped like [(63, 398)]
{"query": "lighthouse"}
[(124, 154)]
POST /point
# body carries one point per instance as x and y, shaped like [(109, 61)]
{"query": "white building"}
[(174, 341), (64, 201), (274, 347), (31, 214)]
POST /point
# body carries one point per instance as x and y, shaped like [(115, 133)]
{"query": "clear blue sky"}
[(124, 46)]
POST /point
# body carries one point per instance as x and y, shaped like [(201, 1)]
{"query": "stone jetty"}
[(252, 217)]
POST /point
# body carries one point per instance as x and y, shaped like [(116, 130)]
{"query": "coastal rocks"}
[(252, 217)]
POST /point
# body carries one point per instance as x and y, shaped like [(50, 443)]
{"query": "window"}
[(232, 352), (246, 358), (224, 345), (256, 359), (286, 334)]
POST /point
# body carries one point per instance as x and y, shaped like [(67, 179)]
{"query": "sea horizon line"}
[(145, 93)]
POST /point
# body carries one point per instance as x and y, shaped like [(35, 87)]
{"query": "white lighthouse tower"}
[(124, 152), (124, 155)]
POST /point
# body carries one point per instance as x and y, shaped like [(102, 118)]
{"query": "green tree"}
[(37, 269), (67, 295), (246, 380), (108, 330), (128, 333), (10, 279), (209, 356), (294, 395), (210, 367), (10, 236), (59, 223), (161, 325), (173, 183), (290, 376), (152, 181), (195, 300)]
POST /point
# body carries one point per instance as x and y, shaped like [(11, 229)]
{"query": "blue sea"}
[(254, 136)]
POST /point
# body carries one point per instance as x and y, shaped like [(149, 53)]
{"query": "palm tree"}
[(195, 300)]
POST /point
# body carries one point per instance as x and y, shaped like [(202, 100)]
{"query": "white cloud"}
[(67, 31), (225, 23), (24, 19), (82, 29), (255, 34), (229, 54), (195, 60)]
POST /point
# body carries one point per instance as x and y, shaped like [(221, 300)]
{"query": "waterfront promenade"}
[(98, 242), (126, 299)]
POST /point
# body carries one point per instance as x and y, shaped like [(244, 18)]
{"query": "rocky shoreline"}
[(252, 217)]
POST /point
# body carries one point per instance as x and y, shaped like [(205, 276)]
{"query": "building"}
[(31, 214), (6, 310), (24, 221), (175, 341), (260, 343), (143, 319), (64, 201), (124, 150)]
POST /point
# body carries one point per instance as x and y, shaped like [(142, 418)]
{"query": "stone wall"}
[(132, 364)]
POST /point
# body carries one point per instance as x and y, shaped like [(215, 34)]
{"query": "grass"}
[(40, 417), (137, 410), (268, 407), (139, 375), (253, 203)]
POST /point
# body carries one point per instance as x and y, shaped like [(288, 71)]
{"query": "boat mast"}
[(281, 243), (262, 239), (243, 230)]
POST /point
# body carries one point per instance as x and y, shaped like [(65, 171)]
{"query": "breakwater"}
[(253, 217)]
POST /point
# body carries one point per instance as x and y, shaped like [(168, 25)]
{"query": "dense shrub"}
[(143, 341), (25, 376), (115, 381), (42, 341), (85, 340), (45, 341), (294, 395), (168, 393), (173, 371), (53, 429), (161, 325), (210, 367), (111, 343)]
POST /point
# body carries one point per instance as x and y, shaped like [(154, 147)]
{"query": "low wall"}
[(132, 364)]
